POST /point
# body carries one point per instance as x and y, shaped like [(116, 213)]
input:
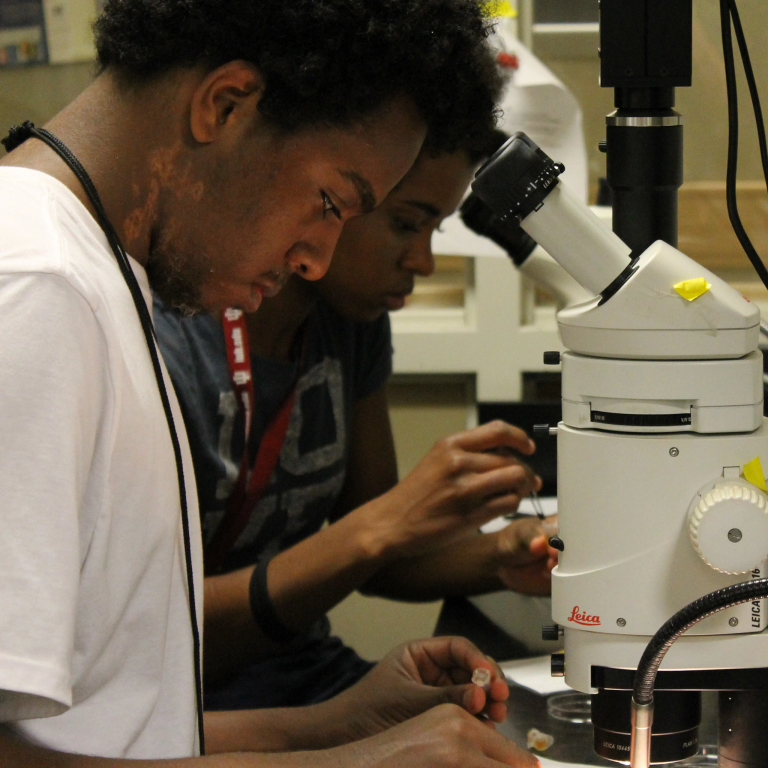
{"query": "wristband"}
[(263, 611)]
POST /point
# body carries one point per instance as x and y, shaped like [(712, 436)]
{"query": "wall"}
[(37, 93)]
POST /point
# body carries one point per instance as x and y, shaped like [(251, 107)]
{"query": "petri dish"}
[(571, 706), (707, 755)]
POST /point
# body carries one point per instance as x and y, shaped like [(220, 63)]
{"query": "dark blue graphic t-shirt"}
[(341, 361)]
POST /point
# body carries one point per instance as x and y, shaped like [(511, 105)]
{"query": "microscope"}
[(661, 493)]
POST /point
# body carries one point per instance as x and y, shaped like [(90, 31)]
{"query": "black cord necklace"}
[(17, 136)]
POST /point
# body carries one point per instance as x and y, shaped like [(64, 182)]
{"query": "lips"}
[(396, 301), (270, 287), (254, 300), (402, 291), (268, 290)]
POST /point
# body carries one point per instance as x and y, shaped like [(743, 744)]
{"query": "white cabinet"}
[(476, 315)]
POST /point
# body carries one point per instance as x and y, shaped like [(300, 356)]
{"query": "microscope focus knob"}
[(557, 665), (729, 527), (551, 632)]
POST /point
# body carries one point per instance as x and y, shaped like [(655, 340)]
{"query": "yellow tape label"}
[(692, 289), (499, 8), (753, 473)]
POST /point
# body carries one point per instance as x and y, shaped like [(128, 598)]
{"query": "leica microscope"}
[(663, 506)]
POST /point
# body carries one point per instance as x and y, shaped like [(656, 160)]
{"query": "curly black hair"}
[(326, 62), (485, 144)]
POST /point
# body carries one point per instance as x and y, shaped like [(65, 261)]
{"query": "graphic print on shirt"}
[(325, 374), (311, 465), (228, 410)]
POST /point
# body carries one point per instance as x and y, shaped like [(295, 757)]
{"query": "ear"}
[(227, 98)]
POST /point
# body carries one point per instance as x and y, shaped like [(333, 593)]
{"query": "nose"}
[(418, 257), (311, 259)]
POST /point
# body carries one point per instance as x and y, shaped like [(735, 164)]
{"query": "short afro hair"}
[(326, 62)]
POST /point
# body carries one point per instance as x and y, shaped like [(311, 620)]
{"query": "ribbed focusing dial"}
[(729, 527)]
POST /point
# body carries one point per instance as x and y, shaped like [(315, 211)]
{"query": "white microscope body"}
[(662, 410), (661, 493)]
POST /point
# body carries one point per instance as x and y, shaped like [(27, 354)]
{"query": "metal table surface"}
[(573, 741)]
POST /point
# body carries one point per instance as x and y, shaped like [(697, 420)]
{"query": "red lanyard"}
[(247, 491)]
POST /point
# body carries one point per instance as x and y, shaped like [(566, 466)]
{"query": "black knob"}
[(557, 665), (551, 358), (541, 429), (550, 632), (557, 543), (602, 145)]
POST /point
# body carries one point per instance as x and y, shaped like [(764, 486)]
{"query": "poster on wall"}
[(68, 30), (22, 33), (47, 31)]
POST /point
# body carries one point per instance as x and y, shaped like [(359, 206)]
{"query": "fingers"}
[(495, 492), (511, 755), (465, 741), (516, 478), (469, 697), (502, 750), (448, 660), (496, 711), (457, 652), (516, 541), (527, 530), (539, 547), (495, 434), (487, 460), (442, 736), (497, 506), (508, 753), (534, 579), (526, 569), (474, 700)]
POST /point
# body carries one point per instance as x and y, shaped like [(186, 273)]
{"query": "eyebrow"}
[(364, 191)]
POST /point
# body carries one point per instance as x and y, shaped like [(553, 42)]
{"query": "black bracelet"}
[(263, 611)]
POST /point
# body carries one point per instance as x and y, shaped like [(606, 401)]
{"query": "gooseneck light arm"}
[(661, 642)]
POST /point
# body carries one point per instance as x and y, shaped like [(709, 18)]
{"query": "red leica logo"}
[(583, 618)]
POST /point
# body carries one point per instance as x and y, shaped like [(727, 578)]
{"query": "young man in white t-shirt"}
[(228, 142)]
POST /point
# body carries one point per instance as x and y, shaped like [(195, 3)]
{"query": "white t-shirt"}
[(95, 637)]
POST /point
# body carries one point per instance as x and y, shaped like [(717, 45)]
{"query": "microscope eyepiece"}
[(520, 186), (512, 238), (516, 179)]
